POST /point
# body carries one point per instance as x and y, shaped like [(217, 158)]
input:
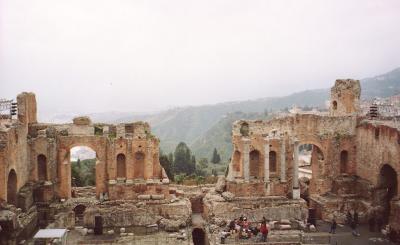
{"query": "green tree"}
[(216, 158), (183, 160), (167, 165), (203, 163), (171, 158)]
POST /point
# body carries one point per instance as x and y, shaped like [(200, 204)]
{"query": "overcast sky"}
[(143, 55)]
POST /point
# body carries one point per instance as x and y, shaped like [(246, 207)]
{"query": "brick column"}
[(296, 189), (266, 165), (283, 160), (266, 160), (246, 159)]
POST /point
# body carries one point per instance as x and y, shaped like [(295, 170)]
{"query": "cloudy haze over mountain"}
[(93, 56)]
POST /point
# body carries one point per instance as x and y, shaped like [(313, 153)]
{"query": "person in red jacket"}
[(264, 231)]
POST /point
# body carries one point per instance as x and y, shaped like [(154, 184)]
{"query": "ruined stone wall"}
[(377, 144), (134, 141), (331, 135), (14, 144), (41, 152)]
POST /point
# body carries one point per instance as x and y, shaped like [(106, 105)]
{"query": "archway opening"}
[(255, 164), (42, 167), (236, 161), (79, 211), (83, 171), (121, 166), (311, 160), (244, 129), (334, 105), (344, 159), (12, 188), (199, 236), (387, 188), (138, 168)]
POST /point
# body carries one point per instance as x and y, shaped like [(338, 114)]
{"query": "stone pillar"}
[(296, 189), (246, 159), (266, 160), (266, 165), (283, 160)]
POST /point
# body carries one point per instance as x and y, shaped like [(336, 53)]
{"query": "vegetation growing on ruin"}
[(83, 173)]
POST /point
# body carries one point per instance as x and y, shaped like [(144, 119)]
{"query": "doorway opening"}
[(12, 188), (199, 236), (83, 171), (387, 189), (311, 160)]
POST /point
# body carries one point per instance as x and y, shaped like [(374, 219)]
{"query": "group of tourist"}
[(244, 229)]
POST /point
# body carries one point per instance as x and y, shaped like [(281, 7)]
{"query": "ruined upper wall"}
[(297, 125), (345, 97)]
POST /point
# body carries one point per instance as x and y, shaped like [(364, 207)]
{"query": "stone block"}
[(144, 197), (157, 197), (285, 227)]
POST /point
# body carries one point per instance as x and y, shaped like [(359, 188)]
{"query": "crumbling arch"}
[(121, 166), (138, 168), (344, 162), (255, 163), (79, 210), (12, 188), (387, 185), (41, 167)]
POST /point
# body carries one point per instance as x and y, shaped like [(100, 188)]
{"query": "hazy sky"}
[(142, 55)]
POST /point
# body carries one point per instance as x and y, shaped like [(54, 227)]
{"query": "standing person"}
[(349, 218), (264, 231), (356, 217), (353, 226), (333, 226)]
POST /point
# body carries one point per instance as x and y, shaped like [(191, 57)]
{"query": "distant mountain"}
[(381, 86), (208, 126), (219, 136)]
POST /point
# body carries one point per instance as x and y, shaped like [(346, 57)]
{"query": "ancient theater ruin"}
[(35, 175), (354, 161)]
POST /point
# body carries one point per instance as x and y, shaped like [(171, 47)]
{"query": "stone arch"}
[(41, 167), (255, 163), (12, 188), (199, 236), (90, 180), (121, 166), (236, 161), (79, 210), (96, 144), (139, 159), (272, 161), (344, 162), (387, 188)]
